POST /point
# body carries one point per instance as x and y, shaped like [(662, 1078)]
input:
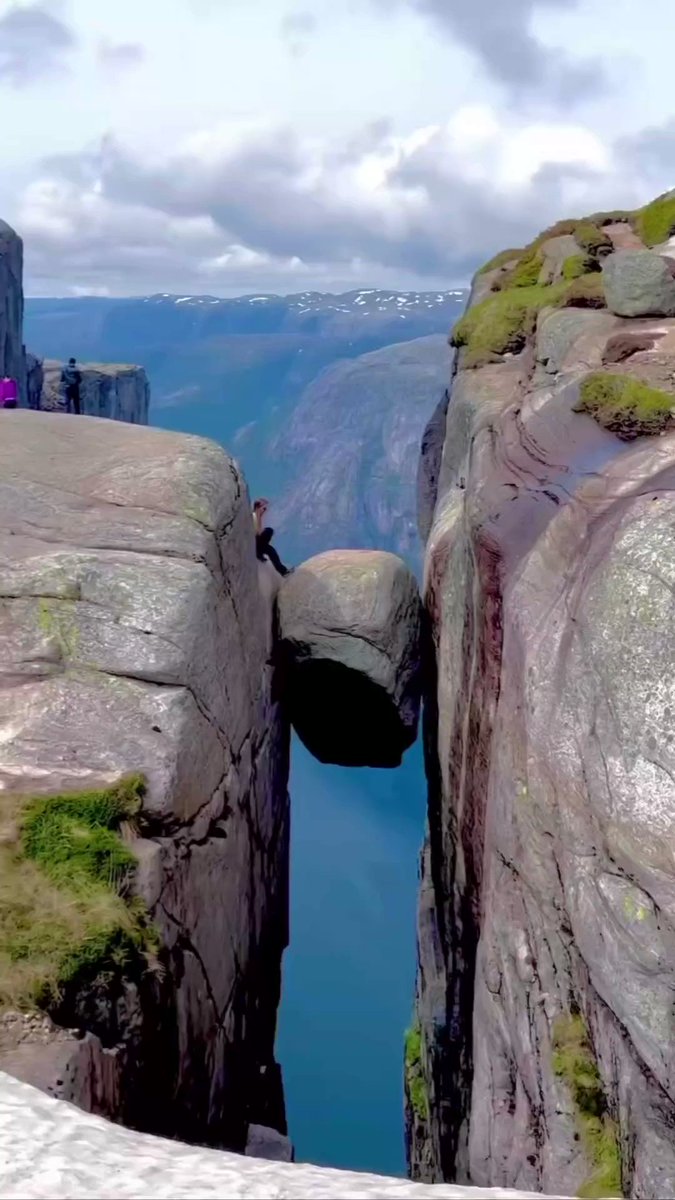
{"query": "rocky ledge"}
[(143, 782), (114, 390), (349, 624), (542, 1056)]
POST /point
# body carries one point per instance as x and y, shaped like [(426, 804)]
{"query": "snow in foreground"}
[(50, 1150)]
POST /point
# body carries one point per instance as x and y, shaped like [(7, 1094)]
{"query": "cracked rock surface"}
[(133, 638), (349, 623), (548, 878)]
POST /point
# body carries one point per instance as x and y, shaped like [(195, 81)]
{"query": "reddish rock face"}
[(548, 885)]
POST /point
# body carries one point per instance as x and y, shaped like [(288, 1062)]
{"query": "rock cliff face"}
[(136, 694), (114, 390), (542, 1056), (11, 304)]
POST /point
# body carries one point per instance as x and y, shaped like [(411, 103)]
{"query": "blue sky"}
[(235, 145)]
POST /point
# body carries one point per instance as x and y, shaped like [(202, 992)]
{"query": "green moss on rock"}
[(499, 260), (625, 405), (574, 1063), (575, 266), (414, 1075), (501, 323), (65, 908), (525, 273), (656, 221), (585, 292), (592, 239)]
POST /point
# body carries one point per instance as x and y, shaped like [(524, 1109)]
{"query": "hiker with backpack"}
[(9, 392), (71, 379)]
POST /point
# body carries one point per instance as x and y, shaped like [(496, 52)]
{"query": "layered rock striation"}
[(350, 641), (143, 781), (542, 1052), (114, 390)]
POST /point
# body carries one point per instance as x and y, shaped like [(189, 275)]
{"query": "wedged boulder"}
[(639, 283), (350, 624)]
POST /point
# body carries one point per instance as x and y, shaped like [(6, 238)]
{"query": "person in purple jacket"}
[(9, 392)]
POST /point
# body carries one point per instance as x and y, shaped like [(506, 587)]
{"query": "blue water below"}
[(349, 973)]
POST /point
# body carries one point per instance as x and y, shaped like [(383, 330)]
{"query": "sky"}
[(233, 146)]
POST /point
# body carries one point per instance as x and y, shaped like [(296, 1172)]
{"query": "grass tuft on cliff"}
[(656, 221), (499, 260), (414, 1075), (578, 265), (574, 1063), (65, 909), (625, 405)]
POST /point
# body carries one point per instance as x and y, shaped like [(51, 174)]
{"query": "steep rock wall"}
[(11, 304), (134, 638), (114, 390), (543, 1055)]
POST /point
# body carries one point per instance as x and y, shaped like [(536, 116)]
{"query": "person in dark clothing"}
[(263, 538), (71, 379)]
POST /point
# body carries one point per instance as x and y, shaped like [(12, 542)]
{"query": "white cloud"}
[(247, 204), (401, 150)]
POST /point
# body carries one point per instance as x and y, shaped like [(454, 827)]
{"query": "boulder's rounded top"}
[(350, 627)]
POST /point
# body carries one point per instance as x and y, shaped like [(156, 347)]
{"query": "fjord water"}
[(349, 973)]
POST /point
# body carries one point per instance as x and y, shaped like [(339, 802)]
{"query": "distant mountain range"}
[(321, 397)]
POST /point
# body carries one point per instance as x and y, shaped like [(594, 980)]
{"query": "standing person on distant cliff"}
[(71, 378), (263, 538), (9, 392)]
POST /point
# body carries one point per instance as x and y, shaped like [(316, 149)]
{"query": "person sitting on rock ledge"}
[(263, 538), (9, 392)]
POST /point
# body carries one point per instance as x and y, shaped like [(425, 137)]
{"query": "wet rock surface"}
[(349, 623), (548, 885), (134, 638)]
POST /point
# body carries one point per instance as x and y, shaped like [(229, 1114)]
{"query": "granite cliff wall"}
[(542, 1053), (11, 305), (143, 781)]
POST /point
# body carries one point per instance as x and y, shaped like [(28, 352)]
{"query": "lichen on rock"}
[(575, 1065), (626, 406)]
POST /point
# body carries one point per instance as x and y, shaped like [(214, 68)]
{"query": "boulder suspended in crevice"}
[(350, 626)]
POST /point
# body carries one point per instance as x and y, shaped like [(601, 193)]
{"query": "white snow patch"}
[(50, 1150)]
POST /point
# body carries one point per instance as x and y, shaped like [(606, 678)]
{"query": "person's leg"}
[(276, 561), (76, 402), (262, 541)]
